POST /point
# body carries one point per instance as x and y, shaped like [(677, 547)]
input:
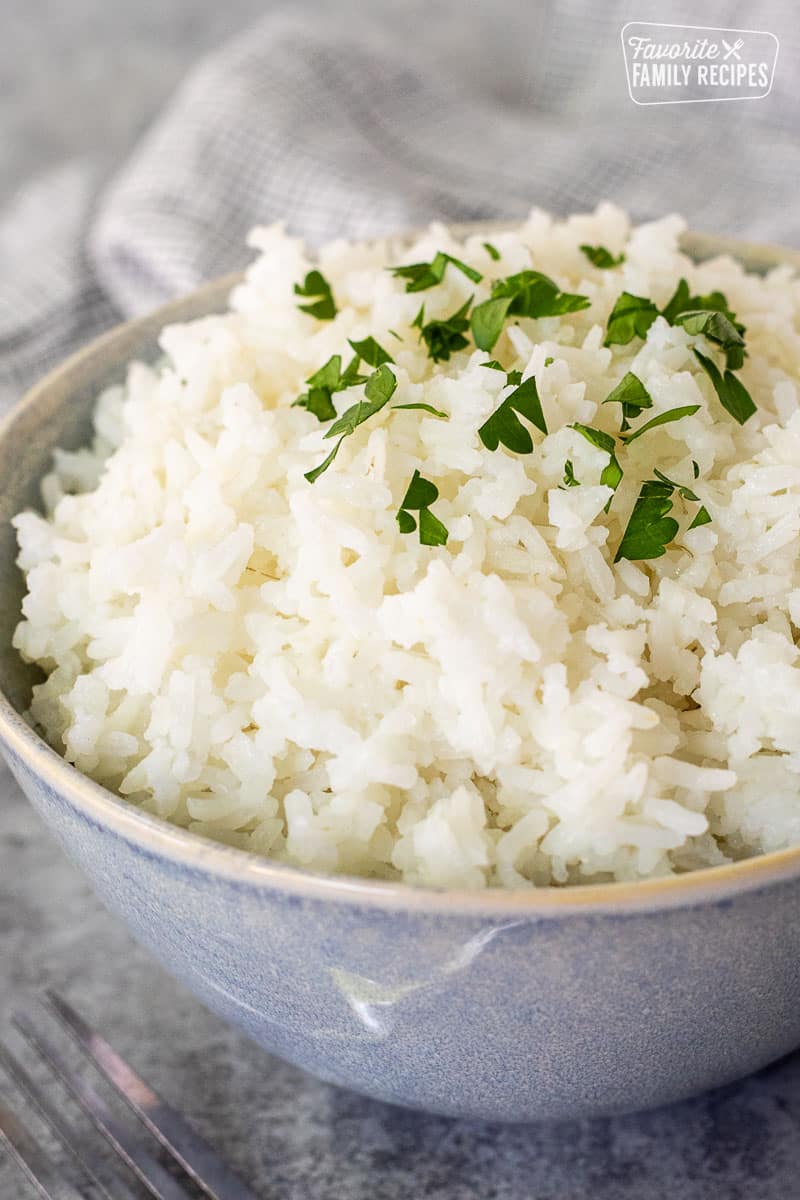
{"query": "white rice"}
[(273, 664)]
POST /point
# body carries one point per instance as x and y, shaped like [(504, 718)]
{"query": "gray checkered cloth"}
[(357, 119)]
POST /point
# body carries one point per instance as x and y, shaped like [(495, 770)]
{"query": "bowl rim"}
[(157, 838)]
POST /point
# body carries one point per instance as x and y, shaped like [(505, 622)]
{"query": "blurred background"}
[(141, 139)]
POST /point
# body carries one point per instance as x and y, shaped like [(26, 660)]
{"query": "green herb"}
[(703, 517), (681, 488), (428, 408), (695, 469), (323, 383), (505, 426), (394, 335), (315, 284), (630, 317), (378, 391), (649, 530), (680, 301), (421, 276), (569, 475), (421, 494), (494, 365), (631, 393), (444, 337), (664, 418), (733, 395), (717, 328), (371, 352), (526, 294), (711, 316), (611, 474), (491, 250), (548, 360), (600, 257), (313, 476)]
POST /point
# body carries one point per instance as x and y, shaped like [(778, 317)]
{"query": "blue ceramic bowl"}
[(503, 1005)]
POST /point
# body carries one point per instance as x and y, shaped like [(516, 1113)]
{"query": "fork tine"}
[(83, 1178), (192, 1151), (159, 1182), (37, 1165)]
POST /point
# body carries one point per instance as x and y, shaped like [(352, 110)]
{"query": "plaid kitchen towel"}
[(360, 118)]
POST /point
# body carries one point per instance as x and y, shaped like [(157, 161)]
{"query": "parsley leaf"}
[(492, 251), (733, 395), (323, 383), (421, 276), (378, 391), (526, 294), (428, 408), (598, 256), (371, 352), (315, 284), (443, 337), (679, 302), (717, 328), (680, 488), (505, 426), (420, 495), (569, 475), (630, 317), (711, 316), (664, 418), (611, 474), (649, 529), (703, 517), (631, 393)]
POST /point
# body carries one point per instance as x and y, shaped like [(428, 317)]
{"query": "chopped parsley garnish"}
[(630, 317), (717, 328), (492, 251), (733, 395), (419, 497), (421, 276), (549, 360), (316, 285), (664, 418), (378, 391), (371, 352), (631, 393), (569, 475), (323, 383), (711, 316), (611, 474), (526, 294), (650, 529), (428, 408), (443, 337), (505, 426), (679, 302), (598, 256), (695, 469), (703, 517)]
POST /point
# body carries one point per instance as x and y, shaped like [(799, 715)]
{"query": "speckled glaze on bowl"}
[(503, 1005)]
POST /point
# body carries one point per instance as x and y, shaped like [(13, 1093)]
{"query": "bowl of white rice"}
[(403, 638)]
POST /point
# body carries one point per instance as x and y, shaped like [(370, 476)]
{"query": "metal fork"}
[(82, 1176)]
